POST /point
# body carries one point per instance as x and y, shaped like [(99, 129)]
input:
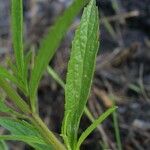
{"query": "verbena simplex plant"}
[(22, 120)]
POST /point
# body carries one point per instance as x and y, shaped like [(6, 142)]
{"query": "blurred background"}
[(122, 75)]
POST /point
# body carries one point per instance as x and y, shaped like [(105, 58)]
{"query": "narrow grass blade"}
[(80, 72), (117, 131), (49, 45), (108, 27), (116, 124), (17, 34), (94, 125), (12, 94), (55, 76)]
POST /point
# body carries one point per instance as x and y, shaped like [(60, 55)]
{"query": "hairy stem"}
[(49, 137)]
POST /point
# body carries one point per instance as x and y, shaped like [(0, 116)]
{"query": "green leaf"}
[(13, 95), (10, 111), (94, 125), (18, 127), (41, 146), (49, 45), (17, 34), (12, 66), (7, 75), (3, 145), (3, 107), (33, 141), (26, 139), (23, 131), (80, 72), (27, 60)]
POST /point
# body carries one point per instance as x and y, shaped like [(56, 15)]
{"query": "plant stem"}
[(49, 137), (55, 76)]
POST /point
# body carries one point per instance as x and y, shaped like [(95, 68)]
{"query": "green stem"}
[(49, 137), (55, 76)]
